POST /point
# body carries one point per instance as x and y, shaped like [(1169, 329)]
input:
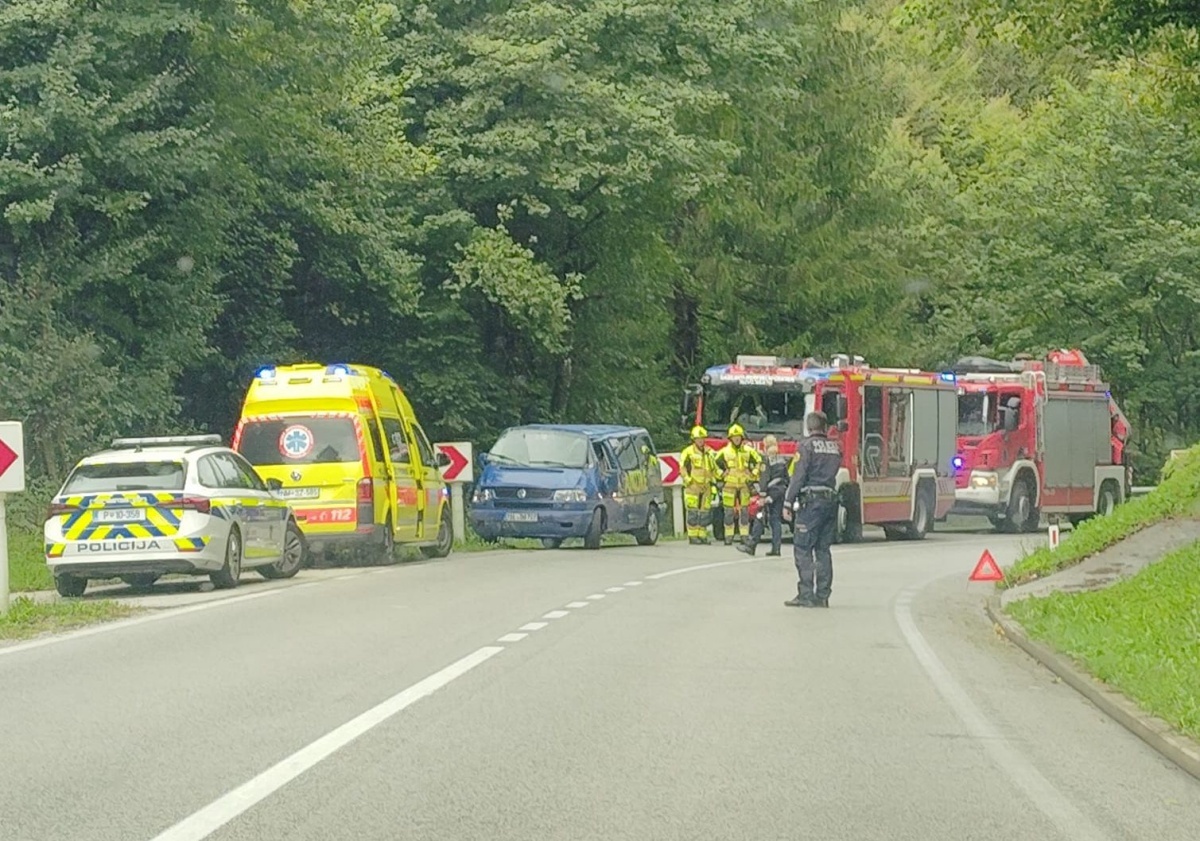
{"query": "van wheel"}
[(293, 555), (648, 535), (227, 577), (141, 580), (551, 542), (591, 540), (70, 586), (445, 538)]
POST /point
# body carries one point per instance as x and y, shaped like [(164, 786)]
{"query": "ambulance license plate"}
[(298, 493), (520, 517)]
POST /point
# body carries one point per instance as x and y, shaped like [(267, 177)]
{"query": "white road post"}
[(3, 558), (458, 470), (677, 513), (458, 512), (12, 480)]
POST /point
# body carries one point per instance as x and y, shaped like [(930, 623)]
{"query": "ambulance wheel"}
[(445, 538), (595, 531), (387, 551), (227, 577), (69, 586), (141, 580), (648, 535)]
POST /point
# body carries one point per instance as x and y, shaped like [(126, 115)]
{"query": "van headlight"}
[(983, 480), (573, 495), (483, 495)]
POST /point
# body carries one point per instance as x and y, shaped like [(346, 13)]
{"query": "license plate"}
[(519, 517), (119, 515), (298, 493)]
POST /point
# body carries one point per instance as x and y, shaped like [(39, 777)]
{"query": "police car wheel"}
[(293, 556), (227, 577), (70, 586)]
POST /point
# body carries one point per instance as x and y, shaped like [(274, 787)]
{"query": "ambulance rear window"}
[(126, 476), (300, 440)]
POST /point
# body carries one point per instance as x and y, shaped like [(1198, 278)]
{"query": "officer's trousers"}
[(697, 505), (814, 528)]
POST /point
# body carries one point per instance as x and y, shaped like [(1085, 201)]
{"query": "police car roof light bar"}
[(167, 441)]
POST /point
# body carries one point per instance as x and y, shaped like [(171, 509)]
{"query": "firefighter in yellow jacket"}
[(698, 468), (737, 468)]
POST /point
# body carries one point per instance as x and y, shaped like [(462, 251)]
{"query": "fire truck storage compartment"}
[(1078, 439), (935, 434)]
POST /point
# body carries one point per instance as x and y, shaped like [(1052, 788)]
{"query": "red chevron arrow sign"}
[(668, 465), (12, 458), (460, 465)]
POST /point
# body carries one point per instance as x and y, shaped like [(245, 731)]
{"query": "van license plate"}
[(298, 493), (120, 515), (519, 517)]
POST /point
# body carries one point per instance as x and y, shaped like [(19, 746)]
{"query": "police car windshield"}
[(541, 448), (299, 440), (759, 410), (126, 476)]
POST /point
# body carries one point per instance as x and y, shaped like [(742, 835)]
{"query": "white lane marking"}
[(1054, 804), (344, 577), (381, 569), (578, 605), (533, 626), (596, 596), (557, 614), (166, 613), (512, 637), (221, 811), (682, 570), (633, 584), (614, 589)]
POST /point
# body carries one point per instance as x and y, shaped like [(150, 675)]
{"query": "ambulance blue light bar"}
[(267, 372), (338, 370)]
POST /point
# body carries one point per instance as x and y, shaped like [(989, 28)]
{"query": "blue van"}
[(553, 481)]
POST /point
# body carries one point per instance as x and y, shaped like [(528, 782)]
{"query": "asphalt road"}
[(495, 696)]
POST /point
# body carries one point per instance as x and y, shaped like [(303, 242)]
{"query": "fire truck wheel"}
[(1023, 516), (922, 521), (1108, 499)]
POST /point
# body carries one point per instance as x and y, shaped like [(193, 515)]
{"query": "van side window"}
[(627, 454), (397, 441), (373, 432), (603, 457), (423, 445), (641, 441)]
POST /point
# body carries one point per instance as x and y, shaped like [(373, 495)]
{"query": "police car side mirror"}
[(274, 485)]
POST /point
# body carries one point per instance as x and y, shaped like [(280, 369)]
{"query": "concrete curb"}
[(1153, 731)]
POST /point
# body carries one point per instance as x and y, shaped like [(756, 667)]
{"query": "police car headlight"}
[(483, 495), (573, 495), (983, 480)]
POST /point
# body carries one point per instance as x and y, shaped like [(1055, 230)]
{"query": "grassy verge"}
[(27, 618), (1177, 495), (27, 568), (1141, 636)]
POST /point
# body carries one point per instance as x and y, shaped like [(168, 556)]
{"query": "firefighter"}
[(737, 468), (697, 464), (770, 486), (812, 494)]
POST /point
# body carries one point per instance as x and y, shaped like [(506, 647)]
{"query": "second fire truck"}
[(896, 426), (1038, 436)]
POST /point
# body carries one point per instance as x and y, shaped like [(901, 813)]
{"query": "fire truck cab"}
[(1038, 436), (896, 427)]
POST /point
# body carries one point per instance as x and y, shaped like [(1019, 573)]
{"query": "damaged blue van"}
[(558, 481)]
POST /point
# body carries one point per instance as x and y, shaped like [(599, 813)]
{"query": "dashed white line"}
[(578, 605), (533, 626), (208, 820), (633, 584), (512, 637), (596, 596), (557, 614), (614, 589)]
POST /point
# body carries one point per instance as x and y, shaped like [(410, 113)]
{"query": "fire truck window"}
[(830, 405), (872, 432), (899, 456), (759, 410), (972, 415)]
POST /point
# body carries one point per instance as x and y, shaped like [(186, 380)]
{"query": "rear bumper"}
[(113, 569), (554, 523)]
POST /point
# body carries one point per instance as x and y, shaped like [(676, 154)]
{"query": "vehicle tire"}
[(922, 521), (893, 532), (1108, 499), (141, 580), (1022, 515), (228, 576), (70, 586), (387, 549), (293, 555), (648, 534), (850, 527), (551, 542), (445, 538), (595, 531)]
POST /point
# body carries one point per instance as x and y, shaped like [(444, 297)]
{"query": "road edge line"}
[(1152, 730)]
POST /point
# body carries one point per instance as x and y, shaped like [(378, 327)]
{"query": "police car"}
[(151, 506)]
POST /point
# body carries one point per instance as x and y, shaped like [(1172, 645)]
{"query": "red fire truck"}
[(896, 426), (1038, 436)]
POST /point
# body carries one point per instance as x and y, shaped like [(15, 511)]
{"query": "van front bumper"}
[(491, 524)]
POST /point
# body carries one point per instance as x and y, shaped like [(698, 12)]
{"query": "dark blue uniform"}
[(772, 481), (815, 523)]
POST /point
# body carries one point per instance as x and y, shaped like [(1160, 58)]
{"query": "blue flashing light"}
[(267, 372), (948, 377), (344, 370), (957, 462)]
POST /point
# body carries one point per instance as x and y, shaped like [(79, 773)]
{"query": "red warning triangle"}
[(987, 569)]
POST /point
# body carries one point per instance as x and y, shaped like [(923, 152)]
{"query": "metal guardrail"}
[(1141, 490)]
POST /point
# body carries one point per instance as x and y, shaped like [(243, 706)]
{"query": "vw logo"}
[(295, 475), (521, 494)]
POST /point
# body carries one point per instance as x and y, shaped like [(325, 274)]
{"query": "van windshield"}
[(126, 476), (299, 440), (541, 448)]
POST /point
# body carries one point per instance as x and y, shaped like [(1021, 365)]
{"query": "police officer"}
[(813, 484), (770, 485)]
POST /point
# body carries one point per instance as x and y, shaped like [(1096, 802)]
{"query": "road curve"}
[(631, 693)]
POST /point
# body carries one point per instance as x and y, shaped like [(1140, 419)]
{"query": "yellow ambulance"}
[(341, 443)]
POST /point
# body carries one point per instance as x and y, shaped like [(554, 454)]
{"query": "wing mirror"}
[(274, 485)]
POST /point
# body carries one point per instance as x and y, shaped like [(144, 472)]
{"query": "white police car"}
[(151, 506)]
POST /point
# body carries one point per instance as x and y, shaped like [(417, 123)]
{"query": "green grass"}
[(1142, 635), (1177, 495), (27, 618), (27, 568)]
